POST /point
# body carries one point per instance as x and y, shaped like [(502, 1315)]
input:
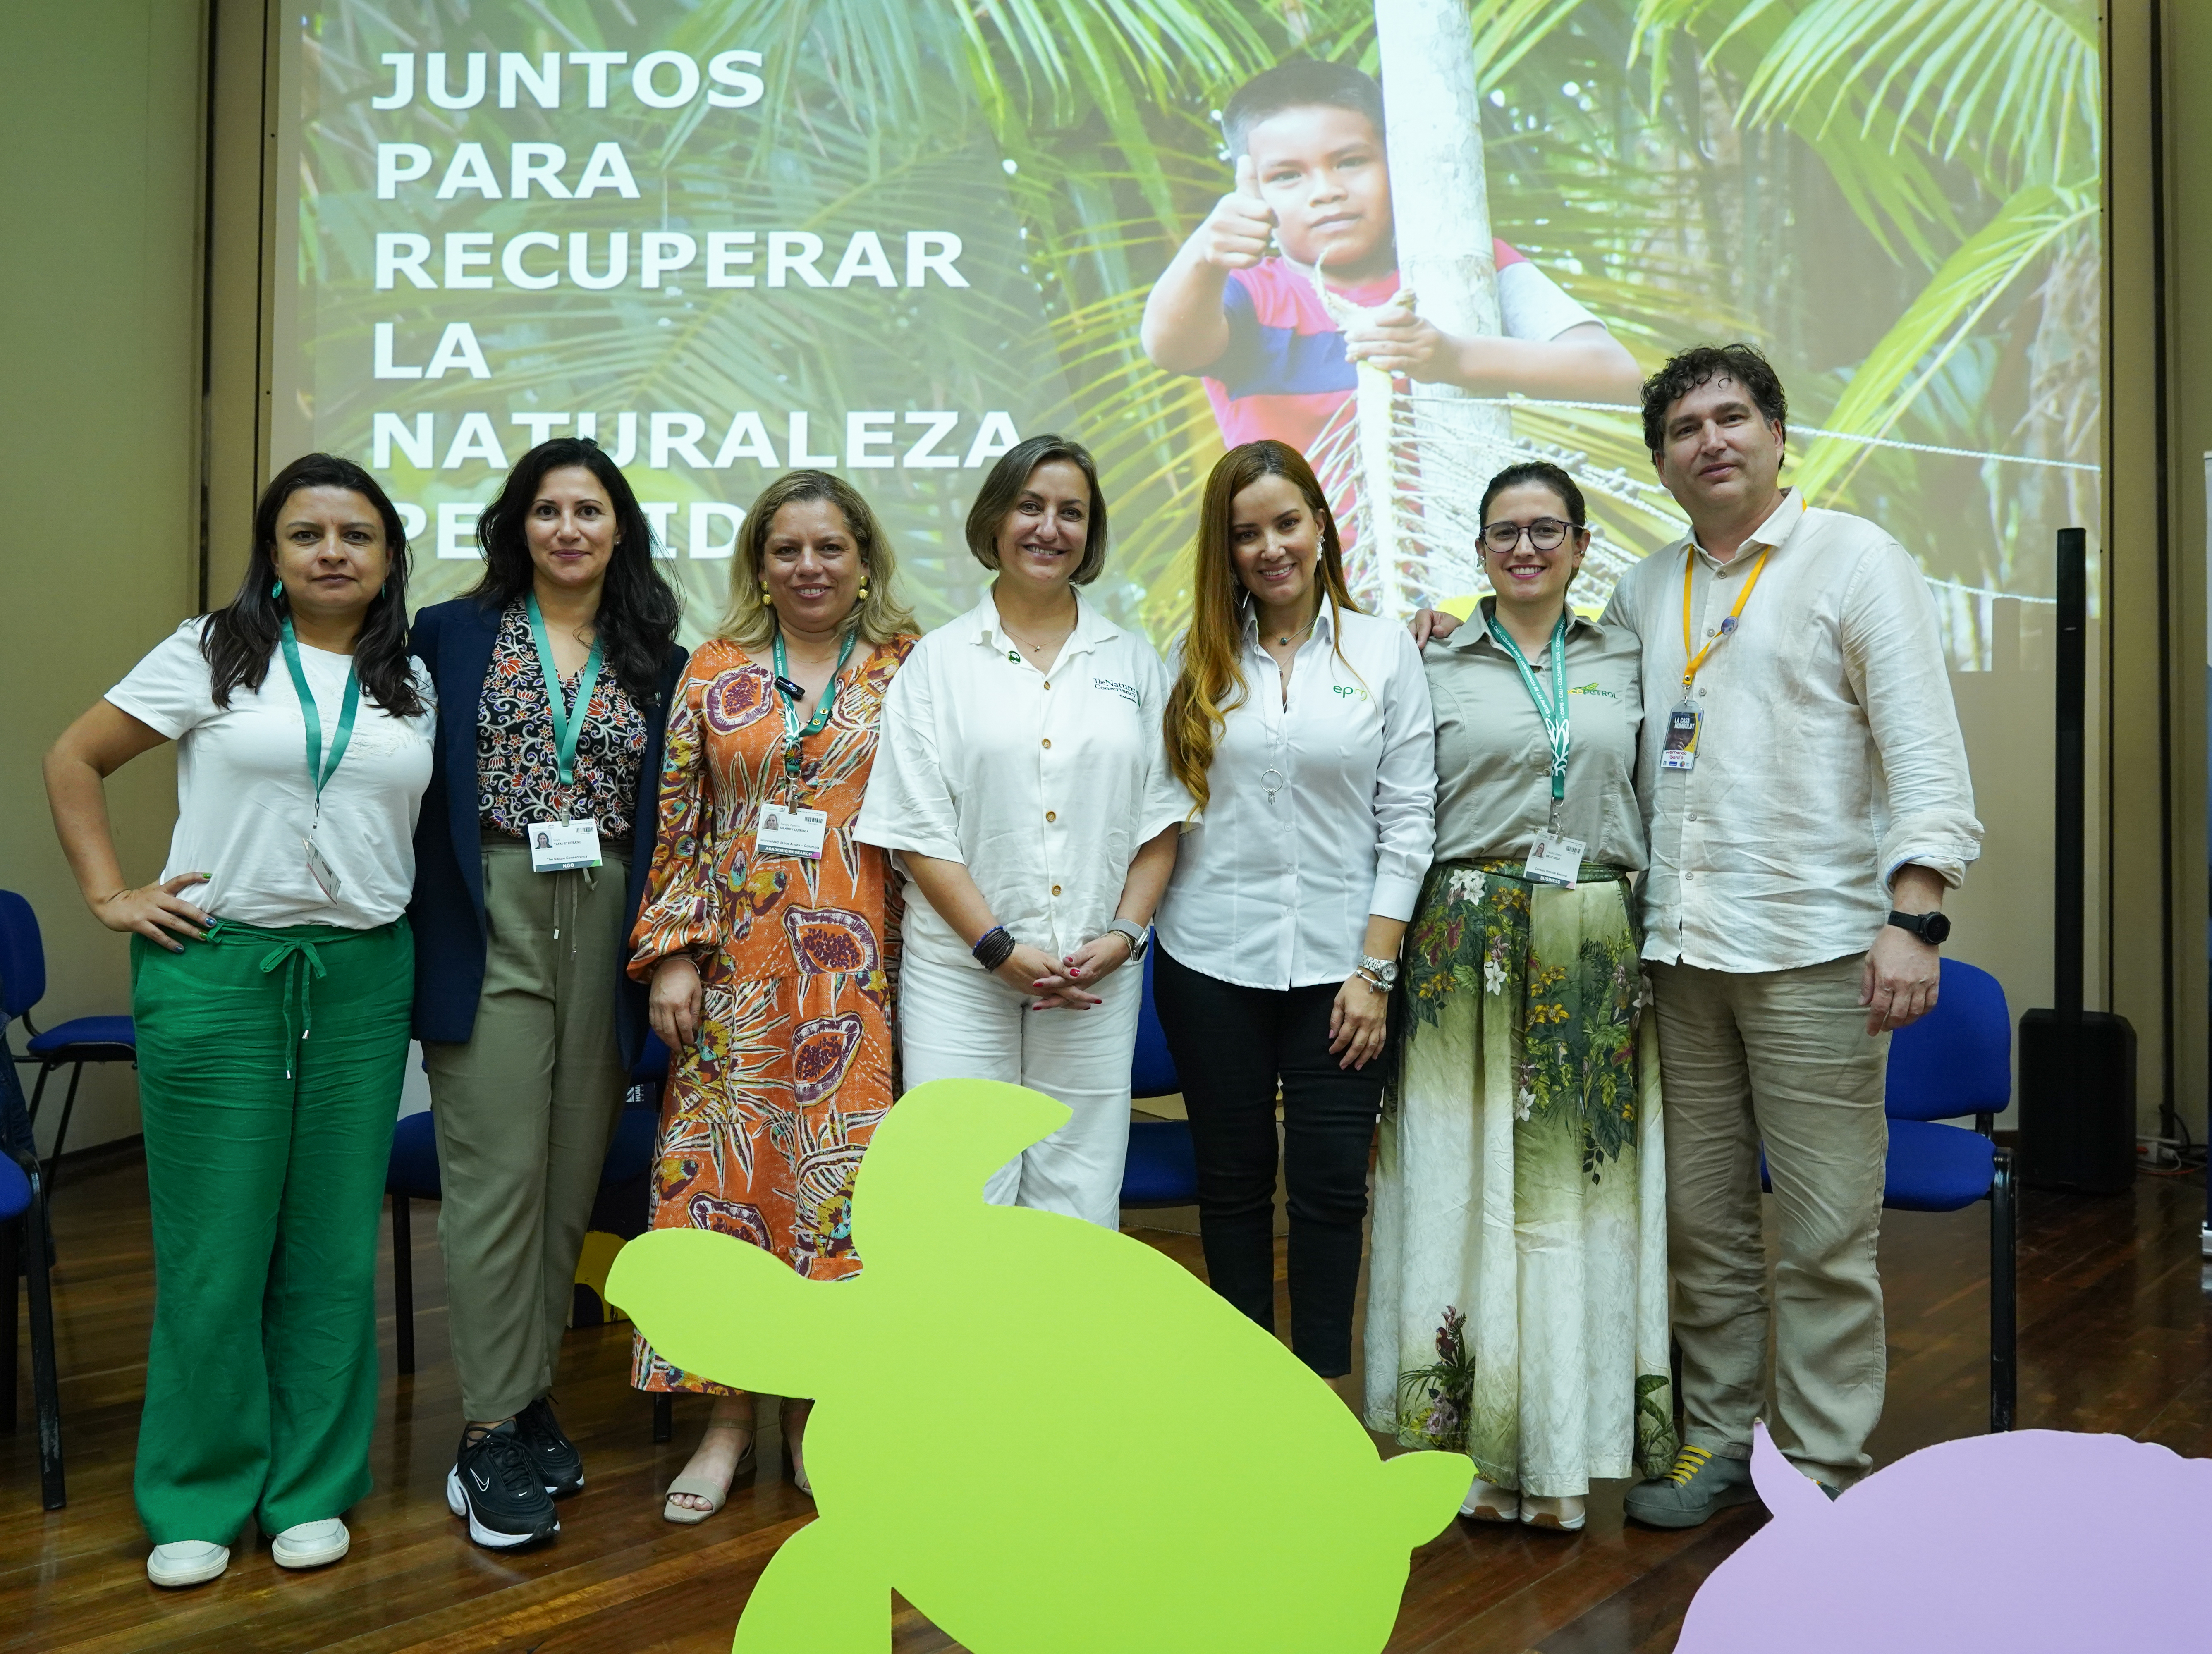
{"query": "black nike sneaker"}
[(495, 1484), (560, 1466)]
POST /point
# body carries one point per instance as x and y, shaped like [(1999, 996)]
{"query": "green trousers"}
[(523, 1109), (270, 1065)]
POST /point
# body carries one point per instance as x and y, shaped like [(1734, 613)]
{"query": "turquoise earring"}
[(277, 590)]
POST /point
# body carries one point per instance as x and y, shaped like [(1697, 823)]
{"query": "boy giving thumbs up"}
[(1236, 305)]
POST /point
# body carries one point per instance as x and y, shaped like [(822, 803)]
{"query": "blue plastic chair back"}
[(22, 957), (1151, 1069), (1956, 1060)]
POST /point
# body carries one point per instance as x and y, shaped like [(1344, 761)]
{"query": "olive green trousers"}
[(524, 1110), (270, 1065)]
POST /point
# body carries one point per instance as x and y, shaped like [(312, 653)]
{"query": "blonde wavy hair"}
[(750, 620)]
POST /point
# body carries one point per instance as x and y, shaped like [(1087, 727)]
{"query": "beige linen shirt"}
[(1829, 756), (1494, 761)]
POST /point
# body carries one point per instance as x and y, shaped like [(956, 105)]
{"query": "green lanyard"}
[(318, 770), (789, 694), (567, 721), (1556, 729)]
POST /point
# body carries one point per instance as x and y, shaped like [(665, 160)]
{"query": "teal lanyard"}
[(1556, 729), (788, 695), (567, 721), (320, 771)]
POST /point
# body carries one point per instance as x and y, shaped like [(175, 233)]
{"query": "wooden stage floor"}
[(2115, 1336)]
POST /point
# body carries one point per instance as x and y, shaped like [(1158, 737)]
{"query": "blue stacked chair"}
[(1957, 1060), (23, 1244), (1162, 1169), (70, 1044)]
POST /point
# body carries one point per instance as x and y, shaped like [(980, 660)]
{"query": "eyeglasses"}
[(1545, 534)]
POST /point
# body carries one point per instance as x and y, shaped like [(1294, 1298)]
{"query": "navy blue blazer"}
[(454, 640)]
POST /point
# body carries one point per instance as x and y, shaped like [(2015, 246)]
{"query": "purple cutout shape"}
[(2028, 1541)]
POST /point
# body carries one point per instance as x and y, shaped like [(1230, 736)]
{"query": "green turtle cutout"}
[(1049, 1437)]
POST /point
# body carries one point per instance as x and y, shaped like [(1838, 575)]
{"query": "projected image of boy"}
[(1313, 180)]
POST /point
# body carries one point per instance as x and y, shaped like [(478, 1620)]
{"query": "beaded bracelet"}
[(993, 947)]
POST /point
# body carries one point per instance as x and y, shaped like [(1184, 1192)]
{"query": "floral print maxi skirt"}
[(1517, 1307)]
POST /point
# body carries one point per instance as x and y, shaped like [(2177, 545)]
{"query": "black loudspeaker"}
[(2077, 1102), (2077, 1068)]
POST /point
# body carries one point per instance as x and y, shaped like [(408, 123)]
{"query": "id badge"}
[(1553, 860), (1681, 749), (785, 830), (559, 846), (319, 869)]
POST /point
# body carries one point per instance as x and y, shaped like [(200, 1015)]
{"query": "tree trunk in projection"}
[(1440, 202)]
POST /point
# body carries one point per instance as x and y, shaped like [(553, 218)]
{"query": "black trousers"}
[(1232, 1046)]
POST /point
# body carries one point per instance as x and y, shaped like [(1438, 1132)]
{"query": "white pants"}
[(959, 1022)]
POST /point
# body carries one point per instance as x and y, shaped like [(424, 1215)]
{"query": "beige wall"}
[(100, 301)]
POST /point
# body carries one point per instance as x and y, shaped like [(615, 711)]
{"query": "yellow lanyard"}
[(1728, 626)]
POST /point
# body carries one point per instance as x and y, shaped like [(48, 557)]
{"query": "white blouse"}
[(243, 801), (1044, 784), (1276, 893)]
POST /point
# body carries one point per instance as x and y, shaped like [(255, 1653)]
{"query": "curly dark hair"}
[(638, 609), (240, 639), (1685, 370)]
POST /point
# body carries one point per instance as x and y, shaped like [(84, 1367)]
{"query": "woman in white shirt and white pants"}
[(1019, 776), (272, 979), (1303, 728)]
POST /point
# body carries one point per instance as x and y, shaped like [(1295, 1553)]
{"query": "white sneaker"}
[(311, 1544), (1564, 1514), (187, 1562), (1487, 1502)]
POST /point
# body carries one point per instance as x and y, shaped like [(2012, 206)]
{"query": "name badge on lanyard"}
[(1685, 723), (1552, 858), (790, 828), (558, 846), (320, 769)]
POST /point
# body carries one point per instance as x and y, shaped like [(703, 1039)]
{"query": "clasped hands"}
[(1061, 987)]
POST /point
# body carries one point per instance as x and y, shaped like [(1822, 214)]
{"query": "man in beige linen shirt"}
[(1825, 799)]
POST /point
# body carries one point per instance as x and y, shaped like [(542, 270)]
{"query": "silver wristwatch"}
[(1382, 973), (1136, 935)]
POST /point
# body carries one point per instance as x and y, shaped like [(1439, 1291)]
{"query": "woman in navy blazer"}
[(554, 678)]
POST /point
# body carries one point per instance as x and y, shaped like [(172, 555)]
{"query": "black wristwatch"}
[(1933, 927)]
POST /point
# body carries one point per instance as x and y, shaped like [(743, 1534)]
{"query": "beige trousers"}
[(1783, 1058), (524, 1111)]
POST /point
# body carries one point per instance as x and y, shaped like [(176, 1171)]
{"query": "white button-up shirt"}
[(1044, 784), (1829, 756), (1275, 893)]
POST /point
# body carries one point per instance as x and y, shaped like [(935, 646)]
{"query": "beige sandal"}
[(705, 1487)]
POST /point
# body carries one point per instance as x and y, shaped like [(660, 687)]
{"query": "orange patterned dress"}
[(765, 1117)]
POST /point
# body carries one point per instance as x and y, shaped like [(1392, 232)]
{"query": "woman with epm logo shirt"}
[(1021, 778)]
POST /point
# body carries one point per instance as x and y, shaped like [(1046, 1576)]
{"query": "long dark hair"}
[(239, 639), (638, 609)]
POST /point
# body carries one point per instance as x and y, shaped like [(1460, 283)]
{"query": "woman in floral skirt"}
[(1517, 1301)]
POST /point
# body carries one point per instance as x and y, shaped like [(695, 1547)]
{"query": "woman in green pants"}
[(271, 1005)]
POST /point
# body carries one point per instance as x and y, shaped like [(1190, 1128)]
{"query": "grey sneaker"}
[(1698, 1485)]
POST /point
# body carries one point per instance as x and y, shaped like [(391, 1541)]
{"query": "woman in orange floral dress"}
[(770, 936)]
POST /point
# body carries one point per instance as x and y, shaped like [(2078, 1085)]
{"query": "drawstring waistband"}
[(297, 953), (290, 957), (591, 877)]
